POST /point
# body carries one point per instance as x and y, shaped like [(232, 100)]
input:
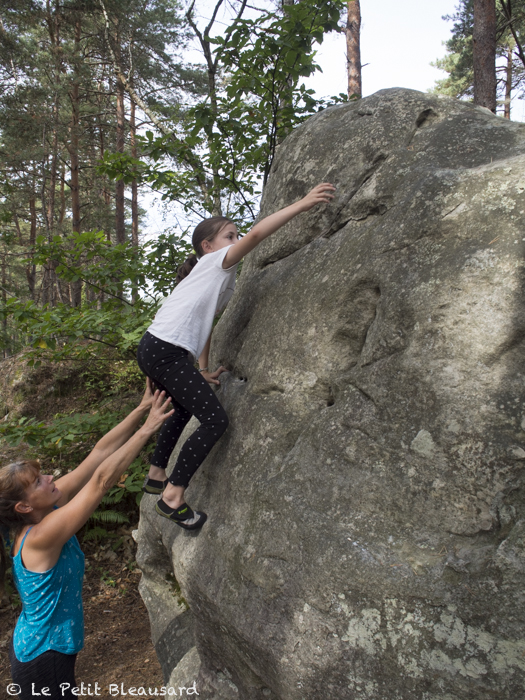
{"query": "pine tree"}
[(484, 53), (353, 49), (459, 61)]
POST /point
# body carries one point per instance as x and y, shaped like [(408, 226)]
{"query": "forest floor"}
[(118, 647)]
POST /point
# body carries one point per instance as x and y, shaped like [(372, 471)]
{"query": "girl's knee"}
[(220, 422)]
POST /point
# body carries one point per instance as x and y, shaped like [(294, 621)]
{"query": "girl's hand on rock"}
[(320, 193), (211, 377), (157, 414)]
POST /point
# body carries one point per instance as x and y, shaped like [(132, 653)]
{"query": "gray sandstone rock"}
[(366, 533)]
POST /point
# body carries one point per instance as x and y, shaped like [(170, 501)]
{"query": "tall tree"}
[(353, 49), (222, 148), (58, 117), (214, 130), (484, 53), (459, 61)]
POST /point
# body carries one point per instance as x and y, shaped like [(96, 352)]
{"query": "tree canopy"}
[(98, 100)]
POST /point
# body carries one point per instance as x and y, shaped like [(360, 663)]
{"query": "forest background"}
[(102, 102)]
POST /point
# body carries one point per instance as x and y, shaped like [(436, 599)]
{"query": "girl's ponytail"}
[(205, 231), (186, 267)]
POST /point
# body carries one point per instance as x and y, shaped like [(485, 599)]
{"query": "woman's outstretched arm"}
[(270, 224), (43, 546), (70, 484)]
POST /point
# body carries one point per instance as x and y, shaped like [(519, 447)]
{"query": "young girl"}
[(181, 333)]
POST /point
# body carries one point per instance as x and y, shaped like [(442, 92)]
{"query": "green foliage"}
[(95, 534), (111, 320), (223, 148), (130, 484), (110, 516), (458, 63), (107, 578), (63, 436), (64, 441)]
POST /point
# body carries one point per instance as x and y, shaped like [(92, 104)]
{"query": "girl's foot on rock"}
[(184, 516), (153, 486)]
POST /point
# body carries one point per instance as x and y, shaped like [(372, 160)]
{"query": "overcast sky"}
[(398, 42)]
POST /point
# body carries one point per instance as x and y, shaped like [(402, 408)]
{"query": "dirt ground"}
[(118, 647)]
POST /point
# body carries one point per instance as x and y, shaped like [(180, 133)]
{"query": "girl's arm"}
[(210, 377), (43, 546), (71, 483), (270, 224)]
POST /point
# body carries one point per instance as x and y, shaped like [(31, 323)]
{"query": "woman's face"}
[(226, 236), (42, 492)]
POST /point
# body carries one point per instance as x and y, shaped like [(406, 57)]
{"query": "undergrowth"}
[(105, 392)]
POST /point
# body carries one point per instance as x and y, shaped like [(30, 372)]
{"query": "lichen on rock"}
[(366, 507)]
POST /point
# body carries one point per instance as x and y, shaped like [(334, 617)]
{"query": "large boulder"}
[(366, 533)]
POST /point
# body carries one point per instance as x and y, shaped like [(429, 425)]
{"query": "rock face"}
[(366, 533)]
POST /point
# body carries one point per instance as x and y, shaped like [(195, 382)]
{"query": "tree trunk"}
[(353, 49), (4, 300), (485, 54), (16, 221), (120, 223), (134, 186), (54, 35), (62, 212), (508, 83), (134, 194), (106, 194), (31, 267), (76, 287)]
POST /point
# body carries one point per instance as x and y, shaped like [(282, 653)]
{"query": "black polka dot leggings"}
[(171, 370)]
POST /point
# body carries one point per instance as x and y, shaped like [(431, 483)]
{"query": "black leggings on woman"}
[(171, 370), (51, 670)]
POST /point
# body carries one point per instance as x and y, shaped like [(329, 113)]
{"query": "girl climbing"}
[(181, 333)]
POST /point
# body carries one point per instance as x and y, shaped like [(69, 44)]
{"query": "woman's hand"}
[(320, 193), (147, 399), (157, 414), (211, 377)]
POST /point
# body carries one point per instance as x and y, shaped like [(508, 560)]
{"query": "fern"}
[(109, 516), (96, 534)]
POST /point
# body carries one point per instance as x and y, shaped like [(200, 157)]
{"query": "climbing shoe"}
[(184, 516), (153, 486)]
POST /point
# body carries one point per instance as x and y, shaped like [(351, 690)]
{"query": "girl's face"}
[(226, 236)]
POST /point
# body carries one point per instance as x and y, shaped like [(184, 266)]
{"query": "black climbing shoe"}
[(184, 516), (153, 486)]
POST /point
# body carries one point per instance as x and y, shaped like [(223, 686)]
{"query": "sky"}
[(398, 42)]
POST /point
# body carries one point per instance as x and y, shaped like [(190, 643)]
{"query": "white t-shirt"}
[(186, 315)]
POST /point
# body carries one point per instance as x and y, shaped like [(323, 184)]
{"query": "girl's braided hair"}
[(205, 231), (14, 480)]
